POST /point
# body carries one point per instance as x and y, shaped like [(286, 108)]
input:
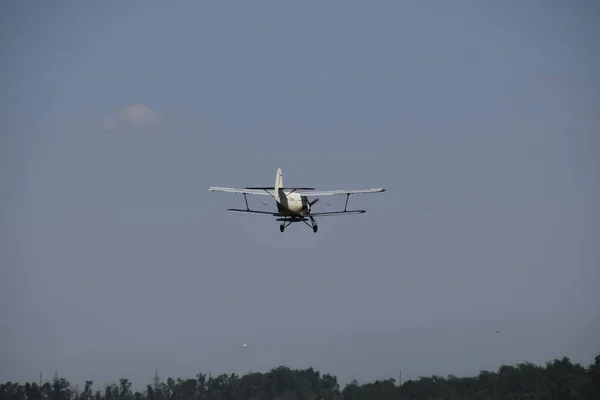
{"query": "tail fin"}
[(278, 183)]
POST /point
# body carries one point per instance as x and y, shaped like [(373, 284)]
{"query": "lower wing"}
[(336, 213), (242, 211), (319, 214)]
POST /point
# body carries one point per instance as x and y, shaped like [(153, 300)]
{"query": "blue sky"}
[(480, 120)]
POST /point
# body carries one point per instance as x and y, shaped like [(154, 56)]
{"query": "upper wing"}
[(264, 191), (303, 192), (343, 191)]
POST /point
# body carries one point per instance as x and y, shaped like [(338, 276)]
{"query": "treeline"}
[(560, 379)]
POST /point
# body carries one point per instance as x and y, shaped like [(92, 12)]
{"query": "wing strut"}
[(246, 200), (347, 198)]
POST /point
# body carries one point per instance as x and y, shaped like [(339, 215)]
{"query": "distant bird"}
[(244, 345), (497, 331)]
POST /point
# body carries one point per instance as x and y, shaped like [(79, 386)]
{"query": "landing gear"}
[(285, 222), (315, 228)]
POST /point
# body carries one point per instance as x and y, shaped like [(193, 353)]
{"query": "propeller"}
[(309, 204)]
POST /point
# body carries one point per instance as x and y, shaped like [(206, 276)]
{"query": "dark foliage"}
[(559, 379)]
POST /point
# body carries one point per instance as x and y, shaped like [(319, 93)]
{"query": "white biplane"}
[(292, 203)]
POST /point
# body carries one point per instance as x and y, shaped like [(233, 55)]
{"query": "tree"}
[(559, 379)]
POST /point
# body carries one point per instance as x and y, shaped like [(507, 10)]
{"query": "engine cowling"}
[(294, 203), (307, 205)]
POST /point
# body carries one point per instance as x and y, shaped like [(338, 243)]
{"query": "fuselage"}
[(293, 204)]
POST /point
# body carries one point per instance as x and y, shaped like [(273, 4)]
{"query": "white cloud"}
[(135, 115)]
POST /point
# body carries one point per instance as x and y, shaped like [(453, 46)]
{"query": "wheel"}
[(315, 228), (281, 228)]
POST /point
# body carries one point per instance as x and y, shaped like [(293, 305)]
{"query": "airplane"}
[(292, 204)]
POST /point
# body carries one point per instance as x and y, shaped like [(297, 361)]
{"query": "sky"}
[(480, 120)]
